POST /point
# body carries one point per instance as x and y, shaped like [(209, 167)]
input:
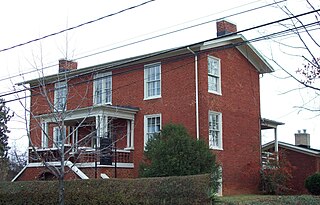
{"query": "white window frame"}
[(148, 82), (60, 94), (101, 79), (56, 133), (73, 133), (146, 132), (217, 129), (44, 135), (216, 75)]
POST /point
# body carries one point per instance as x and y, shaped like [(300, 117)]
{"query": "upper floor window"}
[(215, 130), (102, 88), (152, 126), (214, 75), (60, 95), (152, 81)]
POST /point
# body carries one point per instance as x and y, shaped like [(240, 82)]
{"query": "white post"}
[(132, 133), (276, 144)]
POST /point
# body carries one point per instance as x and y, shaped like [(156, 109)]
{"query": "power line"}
[(150, 38), (74, 27), (254, 40), (266, 37)]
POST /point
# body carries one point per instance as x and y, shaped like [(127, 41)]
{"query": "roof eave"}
[(292, 147), (245, 48)]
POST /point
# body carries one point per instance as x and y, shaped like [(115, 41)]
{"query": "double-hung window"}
[(214, 75), (44, 135), (152, 126), (215, 130), (60, 95), (59, 135), (152, 81), (102, 88)]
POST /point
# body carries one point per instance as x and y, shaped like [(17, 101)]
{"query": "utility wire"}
[(74, 27), (266, 37), (150, 38), (257, 39)]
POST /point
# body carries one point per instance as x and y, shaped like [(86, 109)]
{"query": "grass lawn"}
[(269, 200)]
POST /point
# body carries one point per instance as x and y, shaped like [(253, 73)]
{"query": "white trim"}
[(59, 87), (218, 76), (92, 164), (293, 148), (44, 135), (72, 166), (146, 127), (220, 137), (113, 111), (247, 50), (103, 77), (22, 170), (56, 132), (76, 170), (146, 97), (104, 176)]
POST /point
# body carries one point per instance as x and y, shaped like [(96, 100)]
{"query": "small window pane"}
[(152, 80), (214, 81), (215, 134), (103, 88)]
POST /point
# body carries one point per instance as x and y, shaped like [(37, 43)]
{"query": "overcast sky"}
[(22, 21)]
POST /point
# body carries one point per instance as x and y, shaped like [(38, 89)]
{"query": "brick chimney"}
[(67, 65), (225, 27), (302, 139)]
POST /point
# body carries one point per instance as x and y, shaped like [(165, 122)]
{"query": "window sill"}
[(153, 97), (215, 93), (129, 148), (99, 104), (216, 148)]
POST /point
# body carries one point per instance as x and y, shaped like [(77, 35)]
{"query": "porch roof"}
[(269, 124), (123, 112)]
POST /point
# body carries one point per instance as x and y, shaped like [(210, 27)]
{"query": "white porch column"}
[(130, 133), (276, 144)]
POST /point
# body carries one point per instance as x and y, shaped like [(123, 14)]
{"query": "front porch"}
[(101, 134)]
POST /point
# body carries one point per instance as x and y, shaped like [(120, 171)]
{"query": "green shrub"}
[(184, 190), (174, 152), (312, 183)]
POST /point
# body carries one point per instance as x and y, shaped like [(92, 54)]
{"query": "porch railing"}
[(268, 159), (87, 155)]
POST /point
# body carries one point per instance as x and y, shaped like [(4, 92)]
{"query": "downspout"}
[(197, 90)]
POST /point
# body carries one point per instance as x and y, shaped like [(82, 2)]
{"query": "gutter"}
[(197, 90)]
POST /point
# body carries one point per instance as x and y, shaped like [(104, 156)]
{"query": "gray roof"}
[(309, 151)]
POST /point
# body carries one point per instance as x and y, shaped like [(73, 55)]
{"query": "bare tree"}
[(67, 122), (300, 43)]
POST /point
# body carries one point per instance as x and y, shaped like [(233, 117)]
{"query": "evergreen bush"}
[(312, 183)]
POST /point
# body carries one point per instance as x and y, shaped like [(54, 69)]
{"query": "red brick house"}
[(211, 87), (305, 160)]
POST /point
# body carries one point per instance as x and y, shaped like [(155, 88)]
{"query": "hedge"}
[(182, 190)]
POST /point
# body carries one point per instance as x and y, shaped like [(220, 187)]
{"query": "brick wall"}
[(305, 165), (239, 104)]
